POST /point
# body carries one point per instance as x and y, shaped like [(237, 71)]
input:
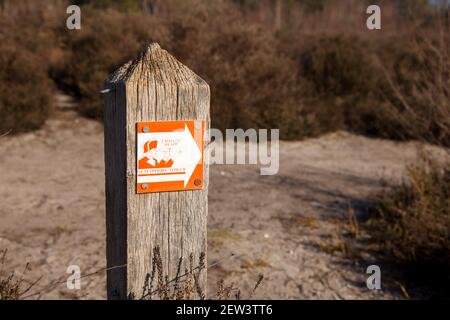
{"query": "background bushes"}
[(28, 43), (25, 90), (107, 39), (251, 80), (294, 74), (412, 223), (344, 82), (253, 83), (419, 82)]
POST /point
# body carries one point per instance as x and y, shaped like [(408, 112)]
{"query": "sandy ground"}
[(52, 211)]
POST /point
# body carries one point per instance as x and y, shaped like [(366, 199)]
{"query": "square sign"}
[(169, 156)]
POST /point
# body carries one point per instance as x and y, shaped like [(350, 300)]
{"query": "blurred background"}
[(368, 104), (307, 67)]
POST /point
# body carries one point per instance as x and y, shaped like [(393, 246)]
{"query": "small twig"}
[(5, 133), (258, 283)]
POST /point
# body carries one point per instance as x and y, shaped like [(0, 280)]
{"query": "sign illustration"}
[(169, 156)]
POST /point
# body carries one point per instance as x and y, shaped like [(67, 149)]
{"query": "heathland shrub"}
[(303, 83), (345, 83), (25, 54), (418, 95), (121, 4), (252, 82), (25, 90), (108, 39), (412, 222), (338, 66)]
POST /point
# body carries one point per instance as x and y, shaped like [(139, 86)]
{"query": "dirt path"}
[(52, 212)]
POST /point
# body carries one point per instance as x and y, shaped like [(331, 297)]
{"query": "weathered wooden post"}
[(141, 97)]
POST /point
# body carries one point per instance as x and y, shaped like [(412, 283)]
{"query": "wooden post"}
[(153, 87)]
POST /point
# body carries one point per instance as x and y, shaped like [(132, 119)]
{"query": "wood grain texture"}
[(153, 87)]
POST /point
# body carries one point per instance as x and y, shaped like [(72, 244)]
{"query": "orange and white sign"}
[(169, 156)]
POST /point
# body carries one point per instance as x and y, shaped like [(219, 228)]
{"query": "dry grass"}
[(186, 284), (12, 287), (411, 224), (216, 238), (255, 264), (352, 224), (339, 244), (298, 221)]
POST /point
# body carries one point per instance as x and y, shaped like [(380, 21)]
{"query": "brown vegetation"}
[(12, 286), (25, 89), (186, 283), (419, 81), (411, 223), (316, 70)]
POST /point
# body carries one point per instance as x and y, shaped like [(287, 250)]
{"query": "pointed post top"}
[(157, 65), (150, 47)]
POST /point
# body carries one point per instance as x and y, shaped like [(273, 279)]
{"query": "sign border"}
[(196, 181)]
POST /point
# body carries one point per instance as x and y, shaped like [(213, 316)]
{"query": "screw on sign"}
[(169, 156)]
